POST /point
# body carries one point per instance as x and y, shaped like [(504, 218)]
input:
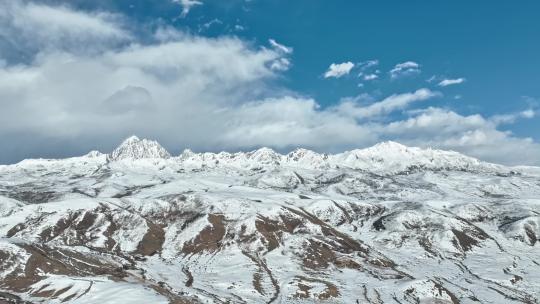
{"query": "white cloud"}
[(405, 69), (338, 70), (280, 64), (369, 77), (175, 88), (351, 106), (30, 28), (211, 23), (187, 5), (209, 94), (511, 118), (368, 64), (530, 113), (473, 135), (448, 82), (280, 47)]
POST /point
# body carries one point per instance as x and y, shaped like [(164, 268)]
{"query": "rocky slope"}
[(387, 224)]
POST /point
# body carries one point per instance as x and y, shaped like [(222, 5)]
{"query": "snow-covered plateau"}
[(386, 224)]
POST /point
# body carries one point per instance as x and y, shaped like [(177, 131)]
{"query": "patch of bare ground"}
[(346, 218), (502, 289), (210, 238), (173, 297), (48, 260), (318, 255), (441, 289), (425, 242), (61, 225), (257, 277), (270, 230), (533, 238), (347, 244), (463, 240), (348, 250), (263, 268), (189, 281), (152, 241), (376, 299), (345, 262), (273, 230), (8, 298), (411, 295), (305, 286), (29, 222)]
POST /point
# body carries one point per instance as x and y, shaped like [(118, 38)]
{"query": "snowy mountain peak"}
[(265, 156), (390, 145), (93, 154), (394, 157), (135, 148), (131, 139)]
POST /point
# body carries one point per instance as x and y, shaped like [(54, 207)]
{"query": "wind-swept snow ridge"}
[(135, 148)]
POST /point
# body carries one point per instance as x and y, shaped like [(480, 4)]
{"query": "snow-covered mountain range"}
[(386, 224)]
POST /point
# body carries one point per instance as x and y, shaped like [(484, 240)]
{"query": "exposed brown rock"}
[(210, 238), (152, 241), (463, 240), (318, 255), (271, 231), (305, 289)]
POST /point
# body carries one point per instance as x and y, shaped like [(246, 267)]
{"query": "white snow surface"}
[(386, 224)]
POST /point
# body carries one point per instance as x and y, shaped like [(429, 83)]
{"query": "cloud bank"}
[(72, 94)]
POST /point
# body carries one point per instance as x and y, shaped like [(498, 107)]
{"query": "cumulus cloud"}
[(473, 135), (338, 70), (176, 86), (208, 94), (405, 69), (448, 82)]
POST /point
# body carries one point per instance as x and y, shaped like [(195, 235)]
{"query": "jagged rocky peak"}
[(135, 148)]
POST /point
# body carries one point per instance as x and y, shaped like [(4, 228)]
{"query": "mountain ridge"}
[(384, 157), (386, 224)]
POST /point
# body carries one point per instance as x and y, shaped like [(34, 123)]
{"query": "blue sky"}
[(237, 75)]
